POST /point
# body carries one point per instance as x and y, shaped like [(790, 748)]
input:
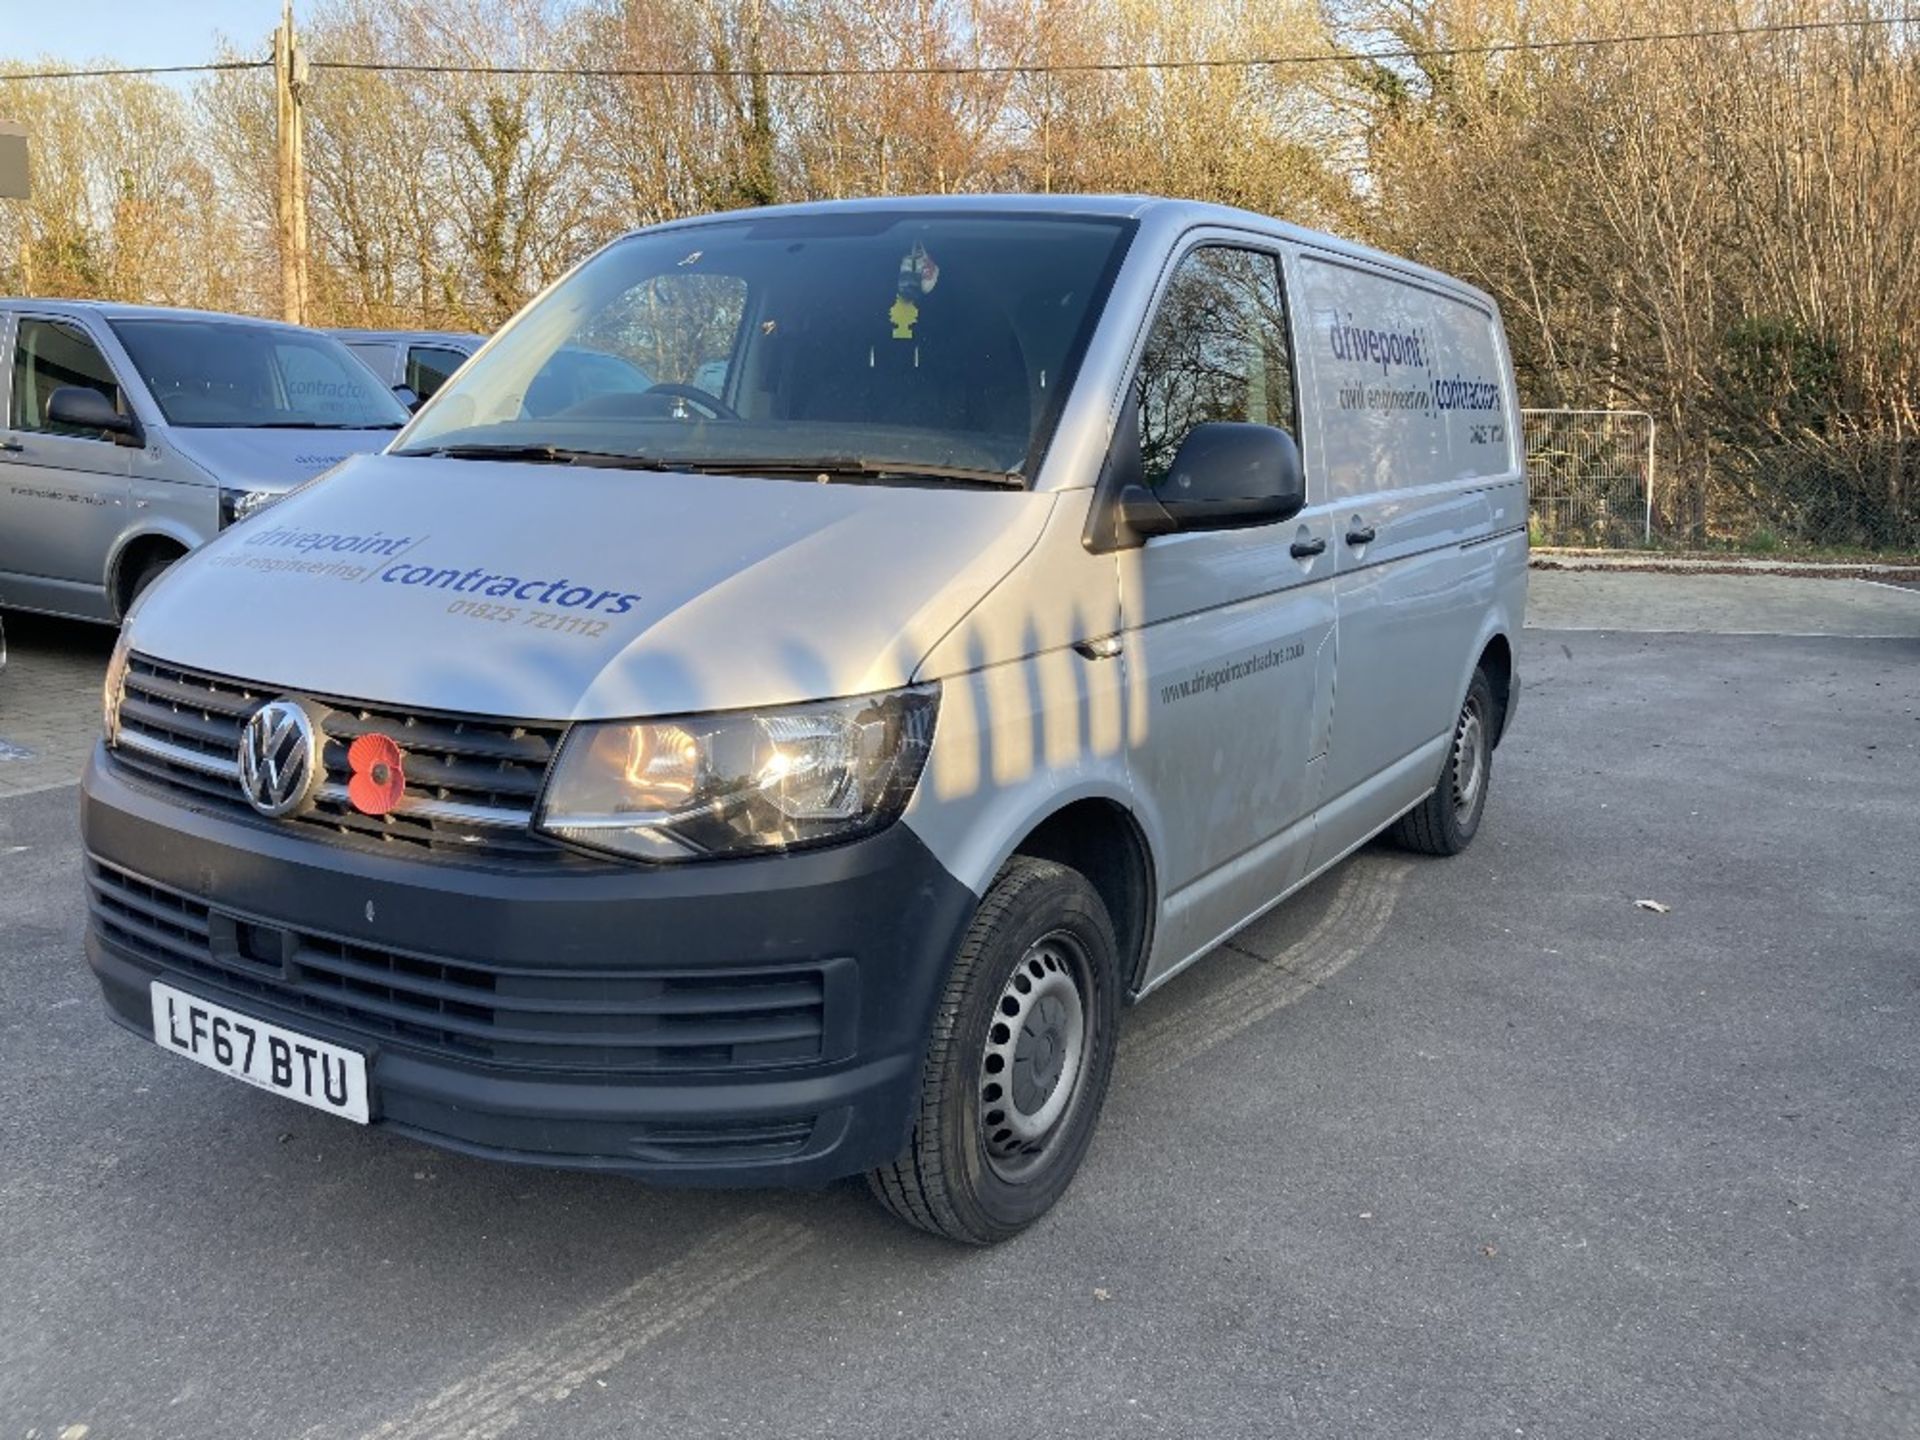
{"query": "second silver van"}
[(134, 434), (787, 763)]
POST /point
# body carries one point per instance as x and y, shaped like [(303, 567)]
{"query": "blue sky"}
[(133, 32)]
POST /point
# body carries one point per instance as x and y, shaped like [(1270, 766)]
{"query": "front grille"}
[(552, 1020), (471, 783)]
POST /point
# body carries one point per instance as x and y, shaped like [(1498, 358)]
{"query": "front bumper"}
[(233, 910)]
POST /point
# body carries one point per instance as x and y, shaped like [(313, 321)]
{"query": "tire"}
[(1007, 1109), (150, 570), (1444, 823)]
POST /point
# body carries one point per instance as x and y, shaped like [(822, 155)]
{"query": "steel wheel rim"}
[(1469, 761), (1035, 1056)]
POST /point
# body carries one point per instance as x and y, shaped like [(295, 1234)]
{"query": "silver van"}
[(134, 434), (789, 767), (417, 361)]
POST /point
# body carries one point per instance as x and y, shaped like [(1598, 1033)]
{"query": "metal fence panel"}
[(1610, 479), (1590, 477)]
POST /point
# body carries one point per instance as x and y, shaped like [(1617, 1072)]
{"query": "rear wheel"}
[(1017, 1070), (1444, 823)]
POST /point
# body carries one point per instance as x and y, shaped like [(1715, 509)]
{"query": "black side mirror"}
[(80, 408), (1226, 475), (406, 396)]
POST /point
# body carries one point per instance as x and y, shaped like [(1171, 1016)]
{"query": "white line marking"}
[(602, 1336), (1906, 590), (1776, 634)]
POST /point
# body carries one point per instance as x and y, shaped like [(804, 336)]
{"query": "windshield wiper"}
[(827, 467), (547, 455), (307, 425), (858, 468)]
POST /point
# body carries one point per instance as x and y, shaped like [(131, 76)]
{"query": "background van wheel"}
[(150, 569), (1017, 1070), (1445, 821)]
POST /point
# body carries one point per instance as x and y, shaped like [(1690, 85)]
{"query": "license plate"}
[(286, 1062)]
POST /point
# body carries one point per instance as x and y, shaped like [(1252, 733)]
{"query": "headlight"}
[(739, 783), (115, 683), (237, 505)]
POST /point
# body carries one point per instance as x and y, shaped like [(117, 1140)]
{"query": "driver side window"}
[(1217, 351), (429, 367), (49, 354)]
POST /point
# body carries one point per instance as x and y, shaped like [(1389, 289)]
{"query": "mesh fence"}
[(1589, 474), (1612, 479)]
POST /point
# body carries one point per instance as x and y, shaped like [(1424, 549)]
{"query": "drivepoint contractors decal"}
[(491, 593), (1408, 380)]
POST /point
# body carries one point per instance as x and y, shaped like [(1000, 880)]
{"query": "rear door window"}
[(1408, 380)]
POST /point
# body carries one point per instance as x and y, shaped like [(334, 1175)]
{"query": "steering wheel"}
[(694, 394)]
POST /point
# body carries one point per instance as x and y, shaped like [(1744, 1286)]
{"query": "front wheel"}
[(1444, 823), (150, 571), (1017, 1069)]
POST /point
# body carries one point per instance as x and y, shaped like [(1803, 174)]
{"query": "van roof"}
[(462, 337), (118, 310), (1168, 215)]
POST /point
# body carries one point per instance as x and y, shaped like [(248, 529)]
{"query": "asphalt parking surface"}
[(1471, 1147)]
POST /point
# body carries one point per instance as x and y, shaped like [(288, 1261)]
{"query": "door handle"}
[(12, 447), (1307, 549), (1361, 535)]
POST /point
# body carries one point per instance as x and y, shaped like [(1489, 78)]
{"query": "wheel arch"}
[(1102, 839), (1496, 660), (132, 552)]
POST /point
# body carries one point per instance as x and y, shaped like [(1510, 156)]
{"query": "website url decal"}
[(1218, 677)]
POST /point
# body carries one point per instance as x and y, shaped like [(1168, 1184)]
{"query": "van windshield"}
[(231, 375), (926, 345)]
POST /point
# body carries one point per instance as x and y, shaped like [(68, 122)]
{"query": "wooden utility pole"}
[(289, 93)]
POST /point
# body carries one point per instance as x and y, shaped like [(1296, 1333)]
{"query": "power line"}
[(204, 67), (1069, 67), (1066, 67)]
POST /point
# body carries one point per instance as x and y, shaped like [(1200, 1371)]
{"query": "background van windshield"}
[(212, 373), (895, 338)]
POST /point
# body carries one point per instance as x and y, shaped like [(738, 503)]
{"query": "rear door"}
[(1229, 649), (63, 492), (1410, 400)]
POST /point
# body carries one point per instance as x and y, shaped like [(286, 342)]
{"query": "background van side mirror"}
[(1226, 475), (406, 396), (81, 408)]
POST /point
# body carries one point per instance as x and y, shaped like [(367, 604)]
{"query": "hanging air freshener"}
[(918, 276)]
